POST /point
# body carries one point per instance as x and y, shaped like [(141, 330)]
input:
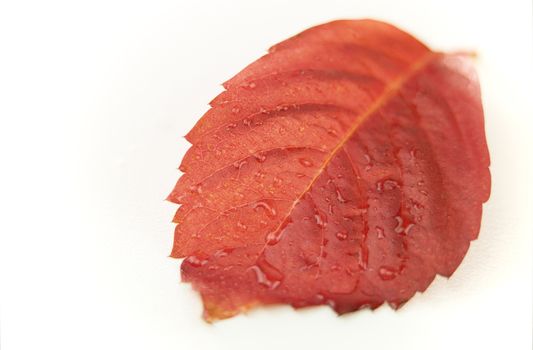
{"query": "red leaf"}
[(346, 167)]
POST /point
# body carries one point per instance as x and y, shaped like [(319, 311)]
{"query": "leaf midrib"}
[(390, 90)]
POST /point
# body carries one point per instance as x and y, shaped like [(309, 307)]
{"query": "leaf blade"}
[(270, 232)]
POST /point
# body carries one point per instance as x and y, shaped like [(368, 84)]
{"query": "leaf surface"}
[(346, 167)]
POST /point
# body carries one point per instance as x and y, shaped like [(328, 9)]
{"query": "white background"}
[(95, 97)]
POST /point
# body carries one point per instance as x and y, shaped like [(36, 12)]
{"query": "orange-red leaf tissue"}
[(346, 167)]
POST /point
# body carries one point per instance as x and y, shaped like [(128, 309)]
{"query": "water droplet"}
[(335, 267), (425, 193), (277, 181), (231, 126), (273, 238), (271, 212), (241, 226), (282, 131), (341, 236), (363, 258), (260, 157), (420, 183), (195, 261), (386, 185), (239, 164), (380, 232), (247, 122), (399, 224), (300, 175), (332, 132), (252, 85), (390, 185), (266, 274), (387, 273), (305, 162), (402, 224), (223, 252), (259, 175), (340, 198), (369, 163), (413, 153), (235, 110), (320, 220)]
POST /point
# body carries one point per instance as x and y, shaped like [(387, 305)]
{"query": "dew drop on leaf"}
[(387, 273), (341, 236), (260, 157), (195, 261), (380, 232), (266, 274), (305, 162), (269, 209)]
